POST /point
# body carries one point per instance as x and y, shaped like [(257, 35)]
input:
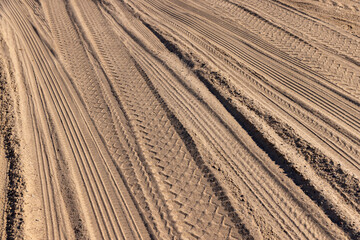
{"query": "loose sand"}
[(180, 119)]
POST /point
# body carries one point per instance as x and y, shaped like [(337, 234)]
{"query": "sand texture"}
[(179, 119)]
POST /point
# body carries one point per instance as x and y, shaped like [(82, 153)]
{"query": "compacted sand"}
[(179, 119)]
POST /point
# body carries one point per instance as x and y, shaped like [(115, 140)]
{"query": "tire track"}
[(339, 151), (167, 77), (48, 192), (343, 43), (154, 149), (105, 203), (167, 154), (327, 199), (298, 86), (314, 125), (332, 69), (97, 98), (278, 75), (184, 110)]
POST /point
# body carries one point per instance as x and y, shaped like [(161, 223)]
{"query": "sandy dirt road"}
[(211, 119)]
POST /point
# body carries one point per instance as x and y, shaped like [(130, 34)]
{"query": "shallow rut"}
[(212, 119)]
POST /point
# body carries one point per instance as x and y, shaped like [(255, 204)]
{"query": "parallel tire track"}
[(345, 44), (170, 160), (331, 69), (252, 129), (98, 98), (302, 103), (163, 9), (106, 205)]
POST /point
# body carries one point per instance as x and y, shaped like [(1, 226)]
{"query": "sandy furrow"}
[(328, 66), (344, 153), (41, 133), (351, 6), (57, 222), (103, 199), (167, 154), (184, 102), (329, 36), (333, 147), (270, 70), (300, 85), (210, 119), (316, 127), (37, 14), (288, 115), (98, 98), (311, 126), (277, 78), (291, 110), (333, 197)]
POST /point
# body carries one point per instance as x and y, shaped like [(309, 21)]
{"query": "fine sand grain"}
[(179, 119)]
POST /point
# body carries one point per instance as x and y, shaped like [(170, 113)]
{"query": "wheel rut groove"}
[(150, 123), (210, 119), (264, 143)]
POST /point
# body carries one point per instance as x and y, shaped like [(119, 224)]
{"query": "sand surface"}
[(179, 119)]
